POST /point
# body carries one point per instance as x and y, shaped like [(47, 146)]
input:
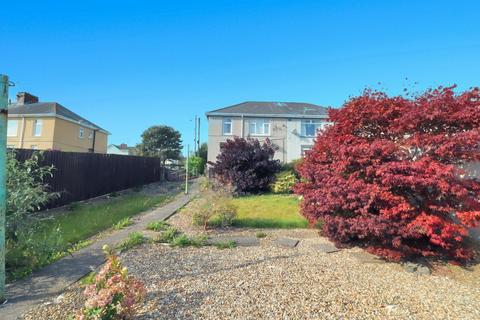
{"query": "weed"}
[(125, 222), (134, 239), (88, 279), (168, 235), (260, 234), (226, 244), (157, 225)]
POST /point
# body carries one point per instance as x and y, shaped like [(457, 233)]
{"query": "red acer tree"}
[(386, 174)]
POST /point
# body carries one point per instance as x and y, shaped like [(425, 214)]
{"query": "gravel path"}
[(269, 282)]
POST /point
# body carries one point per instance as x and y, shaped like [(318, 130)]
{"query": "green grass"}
[(69, 232), (134, 239), (269, 211), (88, 220)]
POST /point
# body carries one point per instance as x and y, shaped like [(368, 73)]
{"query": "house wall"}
[(25, 137), (57, 134), (284, 132)]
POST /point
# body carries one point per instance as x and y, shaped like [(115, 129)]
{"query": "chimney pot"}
[(26, 98)]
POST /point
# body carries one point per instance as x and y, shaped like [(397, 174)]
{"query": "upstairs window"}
[(227, 126), (12, 128), (310, 127), (259, 127), (81, 133), (37, 127)]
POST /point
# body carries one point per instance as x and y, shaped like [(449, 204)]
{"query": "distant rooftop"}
[(31, 106), (273, 109)]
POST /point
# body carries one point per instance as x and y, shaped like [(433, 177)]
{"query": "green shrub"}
[(134, 239), (125, 222), (196, 165), (214, 209), (284, 181), (157, 225)]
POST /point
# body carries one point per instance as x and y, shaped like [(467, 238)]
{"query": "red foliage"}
[(387, 174)]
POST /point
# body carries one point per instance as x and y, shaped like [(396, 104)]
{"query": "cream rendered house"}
[(51, 126), (291, 126)]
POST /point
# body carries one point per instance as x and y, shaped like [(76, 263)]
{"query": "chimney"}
[(123, 146), (26, 98)]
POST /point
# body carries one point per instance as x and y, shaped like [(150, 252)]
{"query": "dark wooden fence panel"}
[(80, 176)]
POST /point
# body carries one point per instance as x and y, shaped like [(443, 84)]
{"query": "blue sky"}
[(127, 65)]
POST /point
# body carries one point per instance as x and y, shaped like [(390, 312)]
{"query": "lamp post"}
[(186, 169), (4, 84)]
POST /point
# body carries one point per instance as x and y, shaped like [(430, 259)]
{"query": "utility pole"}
[(195, 138), (4, 84), (186, 169), (198, 138)]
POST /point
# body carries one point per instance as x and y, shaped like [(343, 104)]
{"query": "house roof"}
[(273, 109), (51, 109)]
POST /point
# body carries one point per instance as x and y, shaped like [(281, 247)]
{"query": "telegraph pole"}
[(198, 138), (186, 169), (4, 84), (195, 138)]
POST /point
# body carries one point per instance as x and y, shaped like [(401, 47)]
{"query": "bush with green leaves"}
[(196, 165), (27, 192), (284, 182), (214, 208)]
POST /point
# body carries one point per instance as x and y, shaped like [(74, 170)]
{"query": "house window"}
[(10, 146), (34, 147), (305, 149), (12, 128), (81, 133), (310, 127), (90, 135), (259, 127), (37, 127), (227, 126)]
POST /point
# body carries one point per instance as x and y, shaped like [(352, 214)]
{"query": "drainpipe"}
[(22, 132), (243, 125), (93, 142), (4, 84)]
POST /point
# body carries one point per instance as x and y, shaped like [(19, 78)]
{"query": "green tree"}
[(203, 152), (162, 141), (196, 165)]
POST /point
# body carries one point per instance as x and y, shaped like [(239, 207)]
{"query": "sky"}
[(128, 65)]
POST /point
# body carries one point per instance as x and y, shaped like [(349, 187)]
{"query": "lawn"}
[(68, 232), (269, 211)]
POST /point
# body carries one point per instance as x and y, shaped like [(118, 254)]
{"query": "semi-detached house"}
[(292, 126)]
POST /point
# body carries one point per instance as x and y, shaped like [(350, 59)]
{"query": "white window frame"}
[(81, 132), (318, 124), (257, 124), (10, 128), (227, 121), (37, 124), (90, 135)]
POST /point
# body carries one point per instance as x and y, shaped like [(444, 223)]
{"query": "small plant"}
[(168, 235), (261, 234), (181, 240), (134, 239), (113, 293), (284, 182), (225, 244), (88, 279), (214, 208), (125, 222), (157, 225)]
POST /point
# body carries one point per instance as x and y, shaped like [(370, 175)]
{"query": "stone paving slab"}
[(365, 257), (286, 242), (54, 278), (326, 248), (240, 241)]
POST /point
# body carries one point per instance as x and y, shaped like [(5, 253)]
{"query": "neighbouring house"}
[(51, 126), (291, 126), (121, 149)]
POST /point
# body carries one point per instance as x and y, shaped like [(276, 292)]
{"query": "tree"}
[(196, 165), (162, 141), (387, 174), (203, 152), (246, 164)]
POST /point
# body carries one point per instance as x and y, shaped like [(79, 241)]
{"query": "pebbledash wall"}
[(284, 133)]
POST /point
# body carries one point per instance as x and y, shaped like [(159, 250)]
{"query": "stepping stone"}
[(286, 242), (326, 248), (240, 241), (365, 257)]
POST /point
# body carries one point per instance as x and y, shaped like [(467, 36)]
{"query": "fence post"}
[(3, 176)]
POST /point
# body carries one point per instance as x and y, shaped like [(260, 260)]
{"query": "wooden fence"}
[(80, 176)]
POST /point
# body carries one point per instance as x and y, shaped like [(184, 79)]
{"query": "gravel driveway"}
[(269, 282)]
